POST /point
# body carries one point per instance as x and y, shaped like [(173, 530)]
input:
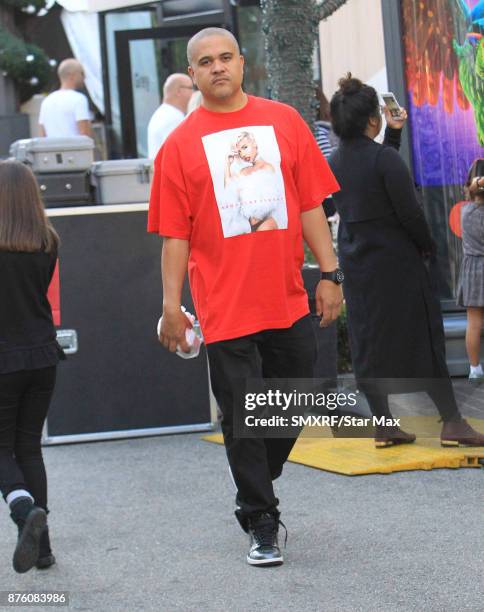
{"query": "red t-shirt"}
[(234, 185)]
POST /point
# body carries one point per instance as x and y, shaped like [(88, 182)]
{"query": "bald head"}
[(174, 82), (217, 69), (70, 68), (177, 90), (207, 33)]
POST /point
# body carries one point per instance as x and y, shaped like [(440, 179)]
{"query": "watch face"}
[(340, 276)]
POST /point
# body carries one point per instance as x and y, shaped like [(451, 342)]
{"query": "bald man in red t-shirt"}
[(237, 187)]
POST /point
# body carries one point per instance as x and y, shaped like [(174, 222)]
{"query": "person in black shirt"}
[(29, 354), (384, 244)]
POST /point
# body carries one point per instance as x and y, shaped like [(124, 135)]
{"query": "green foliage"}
[(26, 64), (25, 5), (344, 354)]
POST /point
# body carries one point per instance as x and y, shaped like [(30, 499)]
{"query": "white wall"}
[(352, 40)]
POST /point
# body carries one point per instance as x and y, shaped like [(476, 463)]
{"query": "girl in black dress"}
[(29, 354), (384, 243)]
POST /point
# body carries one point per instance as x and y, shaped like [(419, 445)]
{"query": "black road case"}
[(120, 382), (65, 188)]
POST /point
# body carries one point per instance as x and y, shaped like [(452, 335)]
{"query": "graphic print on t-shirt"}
[(245, 165)]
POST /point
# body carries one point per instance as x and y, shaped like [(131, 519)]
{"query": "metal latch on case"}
[(145, 173)]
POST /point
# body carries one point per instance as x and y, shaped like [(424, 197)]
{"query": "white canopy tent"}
[(80, 21), (82, 31)]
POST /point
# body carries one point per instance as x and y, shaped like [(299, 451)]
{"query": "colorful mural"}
[(444, 56)]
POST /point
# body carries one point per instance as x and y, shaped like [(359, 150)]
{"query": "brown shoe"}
[(460, 433), (390, 435)]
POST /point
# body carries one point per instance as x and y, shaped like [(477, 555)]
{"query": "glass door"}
[(145, 58)]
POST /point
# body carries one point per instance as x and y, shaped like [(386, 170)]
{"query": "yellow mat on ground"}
[(357, 456)]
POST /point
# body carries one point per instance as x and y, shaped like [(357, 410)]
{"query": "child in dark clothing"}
[(29, 354)]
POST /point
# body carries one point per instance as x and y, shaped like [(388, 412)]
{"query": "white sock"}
[(476, 369), (16, 494)]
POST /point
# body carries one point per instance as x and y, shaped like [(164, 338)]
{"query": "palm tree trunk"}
[(290, 29), (328, 7)]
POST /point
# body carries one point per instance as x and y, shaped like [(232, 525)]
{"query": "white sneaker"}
[(479, 375)]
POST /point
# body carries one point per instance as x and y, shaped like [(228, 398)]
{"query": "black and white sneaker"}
[(264, 545), (46, 559), (31, 522)]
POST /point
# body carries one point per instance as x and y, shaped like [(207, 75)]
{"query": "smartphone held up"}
[(391, 103)]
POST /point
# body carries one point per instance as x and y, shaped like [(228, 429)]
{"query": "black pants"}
[(24, 401), (273, 353)]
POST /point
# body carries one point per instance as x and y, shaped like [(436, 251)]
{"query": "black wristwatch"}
[(336, 276)]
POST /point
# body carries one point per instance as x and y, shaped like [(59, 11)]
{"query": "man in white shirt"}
[(177, 91), (65, 112)]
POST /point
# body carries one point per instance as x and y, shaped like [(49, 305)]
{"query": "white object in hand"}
[(194, 339)]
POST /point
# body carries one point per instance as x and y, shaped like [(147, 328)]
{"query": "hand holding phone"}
[(391, 103)]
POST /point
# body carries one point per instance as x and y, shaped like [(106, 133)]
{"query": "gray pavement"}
[(147, 524), (469, 396)]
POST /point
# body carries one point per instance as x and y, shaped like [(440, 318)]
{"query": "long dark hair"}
[(352, 106), (24, 226)]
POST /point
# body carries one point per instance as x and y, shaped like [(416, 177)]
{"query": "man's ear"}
[(191, 73)]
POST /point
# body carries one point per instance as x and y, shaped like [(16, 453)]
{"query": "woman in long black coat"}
[(384, 242)]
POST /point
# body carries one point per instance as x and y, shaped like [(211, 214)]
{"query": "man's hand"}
[(396, 123), (172, 332), (329, 298)]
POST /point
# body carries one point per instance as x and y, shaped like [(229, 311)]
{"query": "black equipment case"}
[(119, 381), (65, 188)]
